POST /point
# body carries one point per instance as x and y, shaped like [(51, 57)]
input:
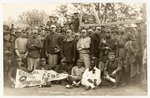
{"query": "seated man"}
[(113, 69), (43, 65), (12, 76), (76, 75), (62, 68), (91, 77)]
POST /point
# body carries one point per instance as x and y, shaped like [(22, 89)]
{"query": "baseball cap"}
[(19, 60), (63, 60), (79, 61), (83, 30), (18, 31), (98, 28), (111, 53), (35, 31), (53, 26), (43, 59)]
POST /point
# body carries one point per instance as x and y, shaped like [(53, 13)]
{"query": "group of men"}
[(91, 56)]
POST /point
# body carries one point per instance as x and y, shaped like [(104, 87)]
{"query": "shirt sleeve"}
[(72, 71), (16, 44)]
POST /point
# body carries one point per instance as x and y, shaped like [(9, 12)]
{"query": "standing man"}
[(106, 44), (7, 55), (130, 65), (75, 22), (33, 45), (18, 33), (42, 37), (50, 21), (53, 47), (68, 50), (12, 67), (95, 41), (20, 46), (83, 46)]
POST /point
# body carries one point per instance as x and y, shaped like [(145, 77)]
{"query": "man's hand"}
[(79, 48), (65, 72), (32, 45), (90, 80), (113, 73), (93, 57), (107, 47), (95, 82), (46, 54), (25, 56), (73, 60)]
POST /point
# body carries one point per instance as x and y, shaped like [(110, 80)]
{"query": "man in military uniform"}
[(7, 55)]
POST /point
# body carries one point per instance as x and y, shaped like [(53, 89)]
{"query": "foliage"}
[(33, 18), (111, 12)]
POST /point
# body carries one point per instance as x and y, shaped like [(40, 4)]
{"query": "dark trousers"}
[(69, 67), (117, 77)]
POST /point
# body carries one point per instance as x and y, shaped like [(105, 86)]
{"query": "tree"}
[(62, 10), (111, 12), (33, 18)]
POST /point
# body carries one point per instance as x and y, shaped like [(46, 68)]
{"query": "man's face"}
[(111, 57), (92, 64), (108, 34), (35, 35), (56, 19), (43, 62), (63, 63), (43, 33), (18, 34), (19, 63), (7, 37), (63, 33), (50, 19), (79, 64), (68, 33), (12, 37), (83, 33), (23, 34), (114, 35), (29, 35), (53, 29), (77, 37), (103, 34)]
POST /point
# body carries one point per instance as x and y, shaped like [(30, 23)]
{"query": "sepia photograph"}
[(74, 48)]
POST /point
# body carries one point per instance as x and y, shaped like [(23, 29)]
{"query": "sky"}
[(11, 11), (14, 9)]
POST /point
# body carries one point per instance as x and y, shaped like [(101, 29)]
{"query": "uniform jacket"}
[(110, 66), (52, 42), (69, 49), (34, 51), (95, 40)]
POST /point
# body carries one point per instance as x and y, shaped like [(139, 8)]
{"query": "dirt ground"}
[(58, 90)]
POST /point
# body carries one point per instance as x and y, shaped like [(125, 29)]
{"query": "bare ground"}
[(58, 90)]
